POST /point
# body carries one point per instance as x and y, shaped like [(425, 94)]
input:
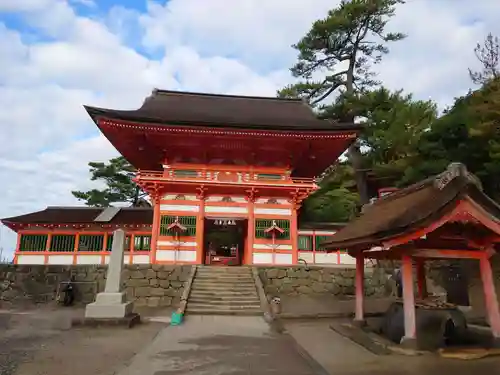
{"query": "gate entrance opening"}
[(224, 241)]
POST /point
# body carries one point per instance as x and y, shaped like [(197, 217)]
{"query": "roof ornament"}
[(453, 171)]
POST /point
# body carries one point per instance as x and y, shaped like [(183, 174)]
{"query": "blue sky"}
[(57, 55)]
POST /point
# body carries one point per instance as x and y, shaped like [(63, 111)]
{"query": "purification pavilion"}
[(444, 217), (226, 176)]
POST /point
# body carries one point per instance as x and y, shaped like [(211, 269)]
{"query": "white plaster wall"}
[(262, 258), (307, 256), (226, 209), (262, 246), (283, 259), (140, 259), (60, 259), (326, 258), (88, 259), (273, 211), (30, 259), (176, 243), (179, 207)]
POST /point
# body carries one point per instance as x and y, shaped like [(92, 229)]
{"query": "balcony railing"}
[(223, 176)]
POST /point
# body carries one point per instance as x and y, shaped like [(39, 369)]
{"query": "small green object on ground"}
[(176, 319)]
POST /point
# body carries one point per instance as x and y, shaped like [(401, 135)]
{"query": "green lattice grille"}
[(188, 221), (185, 173), (62, 242), (109, 242), (91, 242), (268, 176), (319, 240), (262, 224), (33, 242), (142, 243), (305, 242)]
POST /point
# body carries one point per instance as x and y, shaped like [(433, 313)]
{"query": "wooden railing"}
[(223, 176)]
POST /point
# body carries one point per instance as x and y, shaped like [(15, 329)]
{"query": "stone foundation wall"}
[(146, 285), (339, 282)]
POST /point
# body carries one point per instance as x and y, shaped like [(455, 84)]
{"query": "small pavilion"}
[(444, 217)]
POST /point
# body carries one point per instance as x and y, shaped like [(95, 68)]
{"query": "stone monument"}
[(112, 304)]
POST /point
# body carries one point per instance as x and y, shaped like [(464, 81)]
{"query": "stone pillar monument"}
[(112, 304)]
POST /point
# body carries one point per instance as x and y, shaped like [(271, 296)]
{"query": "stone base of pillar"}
[(495, 342), (409, 343), (359, 323), (109, 306)]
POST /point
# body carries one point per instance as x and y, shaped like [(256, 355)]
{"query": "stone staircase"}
[(223, 291)]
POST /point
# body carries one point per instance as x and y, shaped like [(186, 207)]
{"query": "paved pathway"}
[(341, 356), (219, 345)]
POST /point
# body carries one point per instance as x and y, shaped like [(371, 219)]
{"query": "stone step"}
[(223, 272), (208, 306), (221, 293), (224, 277), (231, 302), (217, 297), (231, 288), (223, 282), (249, 312)]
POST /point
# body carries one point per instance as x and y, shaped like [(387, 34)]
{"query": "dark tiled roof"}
[(321, 226), (412, 208), (82, 215), (245, 112)]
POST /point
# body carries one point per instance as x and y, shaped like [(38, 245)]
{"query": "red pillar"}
[(359, 317), (294, 234), (408, 300), (421, 279), (490, 296), (155, 229)]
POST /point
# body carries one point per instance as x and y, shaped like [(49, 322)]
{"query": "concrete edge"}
[(311, 361), (264, 303), (337, 315), (187, 290)]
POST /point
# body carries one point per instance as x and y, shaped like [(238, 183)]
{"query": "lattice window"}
[(185, 173), (109, 243), (319, 240), (187, 221), (142, 243), (91, 242), (305, 242), (33, 242), (262, 224), (62, 242), (268, 176)]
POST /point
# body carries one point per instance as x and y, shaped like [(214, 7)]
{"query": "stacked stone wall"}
[(338, 282), (146, 285)]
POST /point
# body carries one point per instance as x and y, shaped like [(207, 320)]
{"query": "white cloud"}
[(199, 45)]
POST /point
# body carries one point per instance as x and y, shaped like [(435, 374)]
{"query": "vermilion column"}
[(490, 297), (408, 301), (155, 229), (200, 229), (293, 235), (248, 254), (359, 317)]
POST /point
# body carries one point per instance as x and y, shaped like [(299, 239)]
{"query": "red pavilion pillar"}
[(359, 318), (294, 234), (408, 302), (155, 228), (490, 296)]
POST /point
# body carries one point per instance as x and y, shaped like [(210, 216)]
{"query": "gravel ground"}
[(40, 342)]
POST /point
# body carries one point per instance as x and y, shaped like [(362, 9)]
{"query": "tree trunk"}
[(355, 157)]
